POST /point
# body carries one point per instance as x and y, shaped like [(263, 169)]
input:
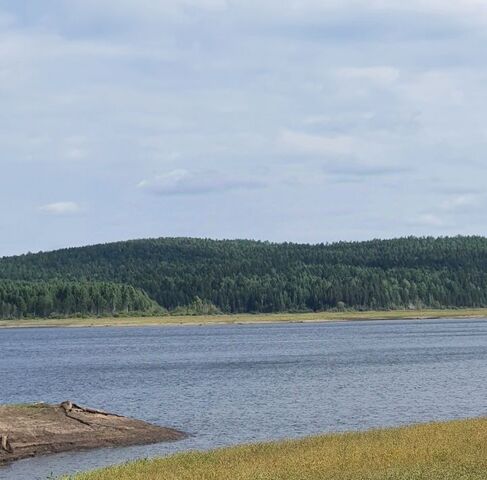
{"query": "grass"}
[(245, 318), (440, 451)]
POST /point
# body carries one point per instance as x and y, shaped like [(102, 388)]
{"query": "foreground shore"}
[(41, 429), (440, 451), (173, 320)]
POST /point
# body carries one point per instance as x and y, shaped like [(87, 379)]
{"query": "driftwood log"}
[(5, 444)]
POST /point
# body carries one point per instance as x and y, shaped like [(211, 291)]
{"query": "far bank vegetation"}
[(185, 276)]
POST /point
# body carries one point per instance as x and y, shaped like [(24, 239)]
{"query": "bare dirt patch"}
[(41, 429)]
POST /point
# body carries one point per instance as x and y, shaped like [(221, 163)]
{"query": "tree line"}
[(237, 276), (20, 299)]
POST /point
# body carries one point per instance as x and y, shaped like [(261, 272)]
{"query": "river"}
[(234, 384)]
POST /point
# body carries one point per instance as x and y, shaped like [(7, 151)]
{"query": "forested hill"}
[(250, 276)]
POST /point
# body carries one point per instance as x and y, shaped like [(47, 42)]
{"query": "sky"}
[(306, 120)]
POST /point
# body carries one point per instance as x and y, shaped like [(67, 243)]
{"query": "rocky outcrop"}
[(40, 429)]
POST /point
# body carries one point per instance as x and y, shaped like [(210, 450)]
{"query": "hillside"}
[(250, 276)]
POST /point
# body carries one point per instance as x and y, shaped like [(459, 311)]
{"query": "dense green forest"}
[(43, 299), (246, 276)]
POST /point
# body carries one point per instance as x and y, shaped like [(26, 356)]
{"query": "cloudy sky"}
[(306, 120)]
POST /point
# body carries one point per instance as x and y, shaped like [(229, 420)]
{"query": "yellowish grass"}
[(441, 451), (169, 320)]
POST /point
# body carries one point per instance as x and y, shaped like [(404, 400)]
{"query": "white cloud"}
[(460, 203), (39, 46), (378, 75), (61, 208), (305, 143), (343, 156), (146, 10), (435, 5), (356, 169), (183, 182), (449, 212), (471, 11), (164, 6), (448, 7), (75, 147), (435, 87), (75, 153), (429, 220)]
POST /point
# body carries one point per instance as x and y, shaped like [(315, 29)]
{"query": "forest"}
[(236, 276), (20, 299)]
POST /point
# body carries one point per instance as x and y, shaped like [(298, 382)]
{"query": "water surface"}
[(232, 384)]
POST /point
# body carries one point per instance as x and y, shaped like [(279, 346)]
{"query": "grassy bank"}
[(245, 318), (442, 451)]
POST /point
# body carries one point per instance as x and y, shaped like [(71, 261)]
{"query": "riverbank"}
[(173, 320), (41, 429), (440, 451)]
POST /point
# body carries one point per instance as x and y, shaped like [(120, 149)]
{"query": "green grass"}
[(245, 318), (440, 451)]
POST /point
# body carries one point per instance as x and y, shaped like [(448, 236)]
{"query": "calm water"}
[(232, 384)]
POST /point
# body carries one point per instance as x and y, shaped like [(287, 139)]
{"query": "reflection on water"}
[(233, 384)]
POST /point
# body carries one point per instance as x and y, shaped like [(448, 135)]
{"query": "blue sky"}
[(312, 121)]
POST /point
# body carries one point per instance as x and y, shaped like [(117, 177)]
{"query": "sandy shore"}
[(238, 319)]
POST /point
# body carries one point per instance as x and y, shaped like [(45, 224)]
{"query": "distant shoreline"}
[(246, 319)]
